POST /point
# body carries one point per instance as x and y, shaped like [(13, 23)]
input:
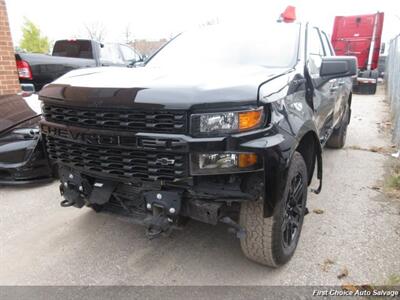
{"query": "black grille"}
[(118, 163), (126, 120)]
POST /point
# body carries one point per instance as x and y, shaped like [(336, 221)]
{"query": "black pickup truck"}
[(67, 55), (224, 124)]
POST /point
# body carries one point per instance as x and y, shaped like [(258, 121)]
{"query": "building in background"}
[(9, 83)]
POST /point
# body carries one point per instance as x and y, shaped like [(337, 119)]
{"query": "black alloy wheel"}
[(293, 211)]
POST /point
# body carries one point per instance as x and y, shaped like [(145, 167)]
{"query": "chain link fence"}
[(392, 78)]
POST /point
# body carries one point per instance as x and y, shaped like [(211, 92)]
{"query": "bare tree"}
[(96, 31)]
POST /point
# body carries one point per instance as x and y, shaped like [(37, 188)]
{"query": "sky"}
[(155, 19)]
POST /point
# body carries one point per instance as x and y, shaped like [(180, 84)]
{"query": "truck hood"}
[(14, 111), (152, 87)]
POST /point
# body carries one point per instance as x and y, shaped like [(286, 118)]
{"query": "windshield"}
[(272, 46)]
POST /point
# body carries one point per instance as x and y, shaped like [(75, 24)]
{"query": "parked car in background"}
[(67, 55), (22, 158)]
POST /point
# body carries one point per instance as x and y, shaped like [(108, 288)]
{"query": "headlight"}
[(223, 163), (226, 122)]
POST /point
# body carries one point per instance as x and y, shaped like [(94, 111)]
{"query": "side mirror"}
[(338, 66)]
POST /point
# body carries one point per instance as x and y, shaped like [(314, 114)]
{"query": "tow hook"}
[(156, 225), (235, 228), (165, 207), (71, 188), (67, 203)]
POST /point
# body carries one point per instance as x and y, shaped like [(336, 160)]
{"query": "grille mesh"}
[(126, 120), (118, 163)]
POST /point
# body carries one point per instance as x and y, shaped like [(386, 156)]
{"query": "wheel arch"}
[(350, 99), (310, 148), (277, 164)]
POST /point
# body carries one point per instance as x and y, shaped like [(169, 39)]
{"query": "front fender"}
[(306, 132), (276, 153), (291, 122)]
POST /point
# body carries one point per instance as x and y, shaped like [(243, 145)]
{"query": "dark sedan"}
[(22, 158)]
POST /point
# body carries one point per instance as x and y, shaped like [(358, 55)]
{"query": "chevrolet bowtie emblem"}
[(165, 161)]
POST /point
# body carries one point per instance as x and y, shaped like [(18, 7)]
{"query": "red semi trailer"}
[(360, 36)]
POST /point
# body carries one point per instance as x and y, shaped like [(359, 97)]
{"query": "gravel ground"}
[(358, 229)]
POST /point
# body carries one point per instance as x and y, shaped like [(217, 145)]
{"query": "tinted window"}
[(110, 53), (315, 51), (73, 48), (273, 45)]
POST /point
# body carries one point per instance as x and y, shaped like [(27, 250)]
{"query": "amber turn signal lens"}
[(247, 160), (250, 119)]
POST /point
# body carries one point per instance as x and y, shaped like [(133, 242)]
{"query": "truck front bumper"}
[(95, 170)]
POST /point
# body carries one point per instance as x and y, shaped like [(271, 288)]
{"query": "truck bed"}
[(46, 68)]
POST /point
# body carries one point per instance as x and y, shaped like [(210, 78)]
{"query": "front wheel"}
[(272, 241)]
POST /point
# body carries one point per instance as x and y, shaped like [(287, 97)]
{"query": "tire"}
[(267, 240), (337, 140), (375, 74), (373, 88)]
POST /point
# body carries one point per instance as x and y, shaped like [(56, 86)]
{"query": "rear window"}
[(73, 48)]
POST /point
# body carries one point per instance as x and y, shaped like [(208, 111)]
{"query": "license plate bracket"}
[(169, 201)]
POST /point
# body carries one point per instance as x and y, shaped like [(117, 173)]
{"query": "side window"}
[(110, 53), (327, 44), (315, 51), (129, 54)]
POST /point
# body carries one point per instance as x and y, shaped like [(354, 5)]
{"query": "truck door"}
[(341, 84), (324, 92)]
